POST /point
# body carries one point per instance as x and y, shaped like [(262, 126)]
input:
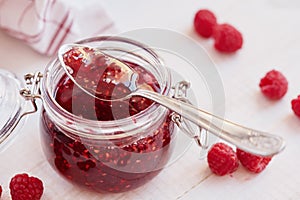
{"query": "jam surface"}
[(107, 165)]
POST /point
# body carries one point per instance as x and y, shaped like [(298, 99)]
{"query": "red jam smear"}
[(107, 165)]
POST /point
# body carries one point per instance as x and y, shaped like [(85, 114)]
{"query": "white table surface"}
[(271, 30)]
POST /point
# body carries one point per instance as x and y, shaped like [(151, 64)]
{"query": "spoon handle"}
[(254, 141)]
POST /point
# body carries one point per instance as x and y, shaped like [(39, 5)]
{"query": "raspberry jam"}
[(105, 146)]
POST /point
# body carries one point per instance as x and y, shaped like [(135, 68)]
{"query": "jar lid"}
[(11, 105)]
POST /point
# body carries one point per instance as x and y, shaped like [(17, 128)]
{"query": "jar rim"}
[(59, 111)]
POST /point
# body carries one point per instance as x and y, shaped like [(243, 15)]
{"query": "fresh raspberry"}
[(204, 21), (23, 187), (296, 105), (274, 85), (0, 191), (227, 38), (252, 162), (222, 159)]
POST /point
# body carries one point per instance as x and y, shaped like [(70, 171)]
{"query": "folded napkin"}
[(46, 24)]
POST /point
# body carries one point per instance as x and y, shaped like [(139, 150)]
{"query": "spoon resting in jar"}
[(120, 73)]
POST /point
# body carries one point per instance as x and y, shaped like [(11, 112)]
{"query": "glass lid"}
[(11, 104)]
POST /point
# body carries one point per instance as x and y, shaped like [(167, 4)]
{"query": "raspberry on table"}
[(204, 22), (251, 162), (222, 159), (0, 191), (23, 187), (274, 85), (296, 106), (227, 38)]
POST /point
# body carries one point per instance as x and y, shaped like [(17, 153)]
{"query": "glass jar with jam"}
[(107, 146)]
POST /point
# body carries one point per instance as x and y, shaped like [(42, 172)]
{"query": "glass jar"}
[(108, 156)]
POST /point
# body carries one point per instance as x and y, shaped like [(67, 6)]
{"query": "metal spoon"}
[(253, 141)]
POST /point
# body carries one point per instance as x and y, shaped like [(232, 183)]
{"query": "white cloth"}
[(46, 24)]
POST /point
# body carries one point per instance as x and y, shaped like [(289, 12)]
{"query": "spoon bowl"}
[(83, 56)]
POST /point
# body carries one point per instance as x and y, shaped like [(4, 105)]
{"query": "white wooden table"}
[(271, 30)]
